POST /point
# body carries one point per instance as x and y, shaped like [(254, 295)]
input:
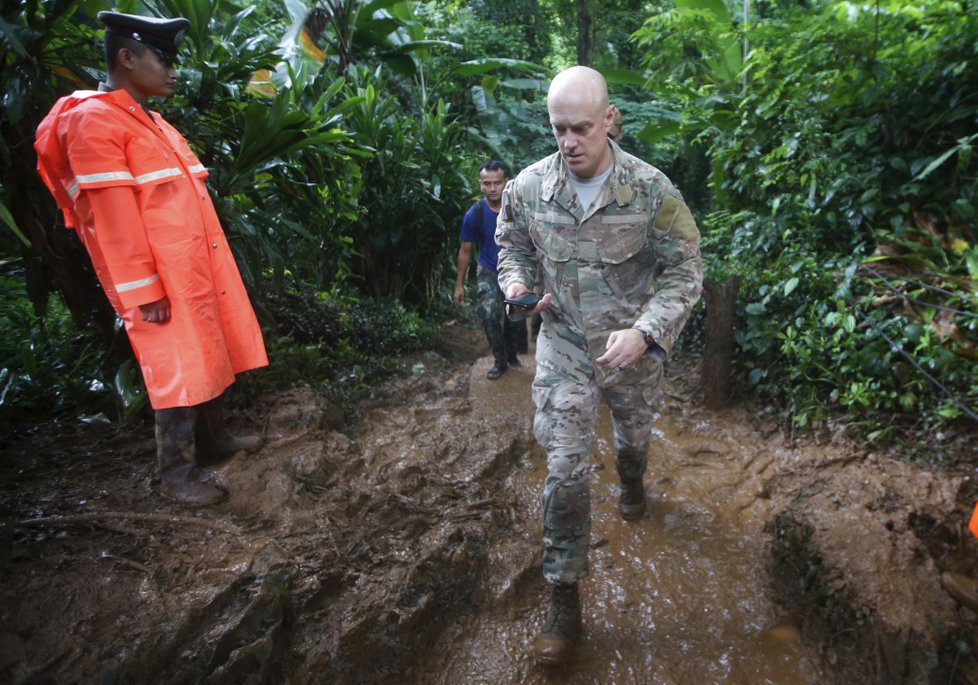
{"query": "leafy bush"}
[(47, 366), (412, 191), (849, 193), (340, 345)]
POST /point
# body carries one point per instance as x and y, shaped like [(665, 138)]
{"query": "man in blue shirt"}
[(479, 228)]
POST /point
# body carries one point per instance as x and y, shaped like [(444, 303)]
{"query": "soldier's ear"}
[(126, 58)]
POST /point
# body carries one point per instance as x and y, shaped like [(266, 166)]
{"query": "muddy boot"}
[(214, 444), (630, 464), (962, 588), (554, 644), (176, 451), (631, 499)]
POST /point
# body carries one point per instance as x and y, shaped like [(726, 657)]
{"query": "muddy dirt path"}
[(405, 545)]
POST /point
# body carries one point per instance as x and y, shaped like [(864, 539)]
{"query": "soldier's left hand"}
[(624, 349)]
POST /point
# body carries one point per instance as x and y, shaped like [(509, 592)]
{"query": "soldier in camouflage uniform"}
[(619, 254)]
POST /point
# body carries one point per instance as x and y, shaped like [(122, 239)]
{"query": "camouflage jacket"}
[(631, 260)]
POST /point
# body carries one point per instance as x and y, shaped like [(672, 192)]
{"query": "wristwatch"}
[(649, 342)]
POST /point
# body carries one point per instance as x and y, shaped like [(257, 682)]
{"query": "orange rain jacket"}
[(134, 192), (973, 526)]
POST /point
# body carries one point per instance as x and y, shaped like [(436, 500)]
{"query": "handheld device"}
[(524, 301)]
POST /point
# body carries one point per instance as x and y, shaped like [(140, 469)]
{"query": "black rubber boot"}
[(631, 499), (554, 644), (214, 444), (496, 371), (962, 588), (176, 452)]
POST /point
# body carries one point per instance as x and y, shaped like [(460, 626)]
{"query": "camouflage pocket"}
[(567, 509), (554, 235), (618, 242), (543, 419)]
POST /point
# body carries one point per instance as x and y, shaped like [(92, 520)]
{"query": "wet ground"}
[(405, 545)]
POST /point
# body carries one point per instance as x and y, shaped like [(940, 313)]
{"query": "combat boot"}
[(214, 444), (176, 451), (554, 644), (631, 499)]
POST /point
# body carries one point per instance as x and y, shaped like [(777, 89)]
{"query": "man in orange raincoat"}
[(132, 189)]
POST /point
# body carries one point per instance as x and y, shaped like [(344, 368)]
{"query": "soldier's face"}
[(151, 74), (492, 183), (581, 130)]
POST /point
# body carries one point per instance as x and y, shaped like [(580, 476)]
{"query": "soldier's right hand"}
[(517, 289), (156, 312)]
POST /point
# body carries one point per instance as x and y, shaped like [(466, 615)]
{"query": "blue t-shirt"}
[(488, 250)]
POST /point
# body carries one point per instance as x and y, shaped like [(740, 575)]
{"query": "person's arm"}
[(679, 285), (677, 252), (462, 262), (125, 251), (114, 231), (517, 264)]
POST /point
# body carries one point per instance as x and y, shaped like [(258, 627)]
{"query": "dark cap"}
[(163, 36)]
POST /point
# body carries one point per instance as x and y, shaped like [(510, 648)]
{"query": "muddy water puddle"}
[(680, 597)]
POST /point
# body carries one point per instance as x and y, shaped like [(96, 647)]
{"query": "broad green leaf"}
[(653, 132), (8, 219), (480, 66)]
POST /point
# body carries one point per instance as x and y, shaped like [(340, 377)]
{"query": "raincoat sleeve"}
[(517, 255), (118, 243), (677, 252), (973, 527)]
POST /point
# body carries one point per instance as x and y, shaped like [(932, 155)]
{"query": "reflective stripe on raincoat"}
[(134, 192)]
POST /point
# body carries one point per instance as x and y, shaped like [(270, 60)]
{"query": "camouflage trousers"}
[(566, 410), (502, 334)]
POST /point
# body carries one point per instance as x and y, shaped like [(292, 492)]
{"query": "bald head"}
[(580, 117), (582, 86)]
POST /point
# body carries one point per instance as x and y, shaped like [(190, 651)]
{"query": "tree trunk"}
[(583, 33), (721, 307)]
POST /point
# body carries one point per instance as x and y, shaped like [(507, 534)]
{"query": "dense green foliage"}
[(844, 199), (831, 166)]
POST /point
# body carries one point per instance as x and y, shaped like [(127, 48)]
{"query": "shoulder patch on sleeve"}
[(674, 216), (507, 209)]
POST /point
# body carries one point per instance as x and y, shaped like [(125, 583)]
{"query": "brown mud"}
[(404, 547)]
